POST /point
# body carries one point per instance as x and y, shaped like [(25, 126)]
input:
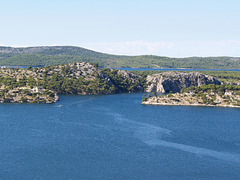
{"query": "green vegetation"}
[(124, 84), (66, 85), (45, 56), (87, 78), (225, 76), (209, 93), (62, 85), (77, 78), (206, 95), (212, 88), (144, 98)]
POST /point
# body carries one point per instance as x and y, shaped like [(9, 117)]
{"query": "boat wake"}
[(154, 136)]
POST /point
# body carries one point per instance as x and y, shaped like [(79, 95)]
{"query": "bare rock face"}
[(128, 75), (175, 81)]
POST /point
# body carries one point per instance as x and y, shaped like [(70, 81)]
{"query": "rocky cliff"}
[(175, 81)]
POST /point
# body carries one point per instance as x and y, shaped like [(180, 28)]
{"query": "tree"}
[(154, 93), (144, 98)]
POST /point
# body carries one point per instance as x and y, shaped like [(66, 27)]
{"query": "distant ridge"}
[(48, 50), (52, 55)]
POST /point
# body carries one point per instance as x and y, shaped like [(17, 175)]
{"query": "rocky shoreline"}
[(27, 95), (191, 99), (204, 105)]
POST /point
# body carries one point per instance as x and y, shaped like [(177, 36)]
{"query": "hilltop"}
[(53, 55), (43, 84)]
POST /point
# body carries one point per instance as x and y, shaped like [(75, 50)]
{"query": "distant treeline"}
[(225, 76), (44, 56)]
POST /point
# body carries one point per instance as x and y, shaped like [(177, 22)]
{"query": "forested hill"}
[(52, 55)]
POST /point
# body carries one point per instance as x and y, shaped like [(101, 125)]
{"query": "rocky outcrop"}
[(192, 99), (127, 74), (133, 79), (174, 81)]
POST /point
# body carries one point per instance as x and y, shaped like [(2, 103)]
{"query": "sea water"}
[(116, 137)]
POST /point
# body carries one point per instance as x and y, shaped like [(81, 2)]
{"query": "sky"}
[(175, 28)]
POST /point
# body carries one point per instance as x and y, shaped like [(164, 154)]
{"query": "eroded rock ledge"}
[(174, 81)]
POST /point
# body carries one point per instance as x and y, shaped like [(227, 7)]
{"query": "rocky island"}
[(205, 95)]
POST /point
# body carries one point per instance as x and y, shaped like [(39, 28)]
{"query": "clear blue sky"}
[(174, 28)]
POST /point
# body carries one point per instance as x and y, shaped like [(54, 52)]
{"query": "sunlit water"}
[(115, 137)]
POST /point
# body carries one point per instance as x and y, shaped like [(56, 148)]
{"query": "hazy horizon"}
[(108, 53), (155, 27)]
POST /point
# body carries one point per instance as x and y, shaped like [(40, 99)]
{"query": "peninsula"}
[(205, 95), (42, 85)]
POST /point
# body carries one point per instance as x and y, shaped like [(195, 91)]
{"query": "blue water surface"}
[(115, 137)]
